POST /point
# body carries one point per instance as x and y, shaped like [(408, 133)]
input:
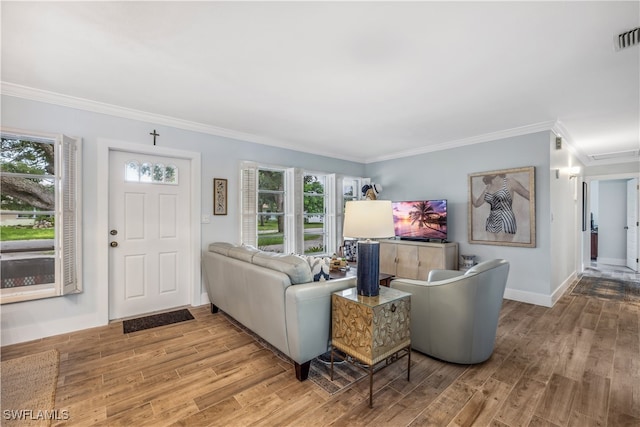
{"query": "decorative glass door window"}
[(155, 173)]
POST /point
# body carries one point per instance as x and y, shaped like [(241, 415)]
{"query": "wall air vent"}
[(616, 155), (628, 39)]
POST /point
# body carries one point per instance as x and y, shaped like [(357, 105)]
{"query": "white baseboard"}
[(612, 261), (540, 299), (19, 334), (528, 297), (204, 299), (557, 294)]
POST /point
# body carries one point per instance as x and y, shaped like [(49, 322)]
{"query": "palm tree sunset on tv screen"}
[(420, 220)]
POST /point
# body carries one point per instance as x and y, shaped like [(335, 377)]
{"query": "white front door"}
[(149, 212), (632, 224)]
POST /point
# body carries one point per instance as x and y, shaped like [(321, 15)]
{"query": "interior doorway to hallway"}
[(613, 233)]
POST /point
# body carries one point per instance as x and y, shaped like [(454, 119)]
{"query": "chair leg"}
[(302, 370)]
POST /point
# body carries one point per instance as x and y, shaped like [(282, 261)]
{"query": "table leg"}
[(332, 363), (370, 386), (409, 365)]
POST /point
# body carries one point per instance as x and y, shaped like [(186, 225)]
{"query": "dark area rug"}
[(608, 288), (344, 374), (156, 320)]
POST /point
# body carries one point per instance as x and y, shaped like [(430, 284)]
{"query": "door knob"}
[(114, 244)]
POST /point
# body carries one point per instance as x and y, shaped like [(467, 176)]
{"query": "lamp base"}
[(368, 268)]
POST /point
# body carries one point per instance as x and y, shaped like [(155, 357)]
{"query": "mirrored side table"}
[(374, 331)]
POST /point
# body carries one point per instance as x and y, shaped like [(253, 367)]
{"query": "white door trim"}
[(586, 235), (633, 233), (104, 146)]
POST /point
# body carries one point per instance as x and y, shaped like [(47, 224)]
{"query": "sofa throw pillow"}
[(297, 269), (350, 250), (320, 267)]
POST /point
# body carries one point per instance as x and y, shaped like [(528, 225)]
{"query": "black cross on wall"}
[(154, 133)]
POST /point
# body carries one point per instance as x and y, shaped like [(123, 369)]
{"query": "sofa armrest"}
[(308, 317), (435, 275)]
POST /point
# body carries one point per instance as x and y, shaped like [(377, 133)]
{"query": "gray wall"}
[(612, 218), (220, 158), (615, 169), (444, 174), (565, 192), (535, 274)]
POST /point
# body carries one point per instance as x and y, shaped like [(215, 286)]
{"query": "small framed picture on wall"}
[(219, 196)]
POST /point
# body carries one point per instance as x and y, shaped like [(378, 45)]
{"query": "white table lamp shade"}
[(368, 219)]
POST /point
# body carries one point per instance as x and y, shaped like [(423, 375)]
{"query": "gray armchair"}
[(454, 314)]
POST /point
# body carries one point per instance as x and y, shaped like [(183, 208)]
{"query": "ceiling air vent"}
[(616, 155), (628, 39)]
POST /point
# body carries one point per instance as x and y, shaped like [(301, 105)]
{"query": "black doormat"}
[(608, 288), (156, 320)]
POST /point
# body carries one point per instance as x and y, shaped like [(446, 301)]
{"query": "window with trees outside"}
[(271, 210), (315, 203), (289, 210), (40, 222), (350, 190)]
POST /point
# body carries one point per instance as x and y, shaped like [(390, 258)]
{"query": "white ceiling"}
[(362, 81)]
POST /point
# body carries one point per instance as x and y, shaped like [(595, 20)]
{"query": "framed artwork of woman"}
[(502, 207)]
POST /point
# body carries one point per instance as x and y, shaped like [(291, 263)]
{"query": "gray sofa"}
[(454, 315), (273, 295)]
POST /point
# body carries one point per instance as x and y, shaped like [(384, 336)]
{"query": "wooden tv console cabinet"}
[(414, 260)]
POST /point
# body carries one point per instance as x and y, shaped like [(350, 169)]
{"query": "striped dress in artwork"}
[(501, 217)]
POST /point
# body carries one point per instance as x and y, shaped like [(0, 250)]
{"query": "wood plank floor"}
[(576, 364)]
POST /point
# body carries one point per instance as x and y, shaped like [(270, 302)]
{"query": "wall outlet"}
[(206, 218)]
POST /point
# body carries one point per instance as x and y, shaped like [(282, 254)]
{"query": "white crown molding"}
[(560, 130), (25, 92), (19, 91), (493, 136)]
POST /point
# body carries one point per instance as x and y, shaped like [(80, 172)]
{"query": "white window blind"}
[(294, 219), (249, 202), (331, 225), (69, 216)]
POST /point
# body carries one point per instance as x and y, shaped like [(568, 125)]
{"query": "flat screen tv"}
[(420, 219)]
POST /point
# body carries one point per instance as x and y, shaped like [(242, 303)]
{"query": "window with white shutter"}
[(290, 210), (40, 216), (249, 203)]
